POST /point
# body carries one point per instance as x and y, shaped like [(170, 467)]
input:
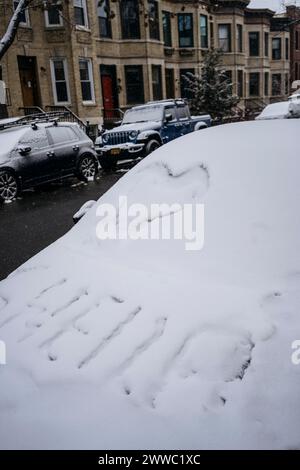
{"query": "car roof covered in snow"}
[(280, 110), (144, 344)]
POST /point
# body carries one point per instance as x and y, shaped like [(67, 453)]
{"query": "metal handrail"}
[(69, 113), (28, 110)]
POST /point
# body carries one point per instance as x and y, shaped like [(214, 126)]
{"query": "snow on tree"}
[(12, 28), (211, 91)]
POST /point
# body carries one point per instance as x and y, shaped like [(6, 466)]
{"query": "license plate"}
[(115, 151)]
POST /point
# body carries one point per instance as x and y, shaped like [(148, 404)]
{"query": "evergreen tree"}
[(211, 92)]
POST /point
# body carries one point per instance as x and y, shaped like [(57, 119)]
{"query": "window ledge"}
[(82, 28), (54, 27), (63, 104), (89, 103)]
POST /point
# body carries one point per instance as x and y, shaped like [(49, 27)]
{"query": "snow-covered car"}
[(146, 127), (40, 152), (123, 343), (281, 110)]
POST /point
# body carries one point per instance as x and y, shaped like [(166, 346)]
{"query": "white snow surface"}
[(141, 344), (9, 139)]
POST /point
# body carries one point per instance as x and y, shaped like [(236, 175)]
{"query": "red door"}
[(108, 98)]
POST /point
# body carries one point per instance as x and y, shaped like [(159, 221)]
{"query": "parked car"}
[(281, 110), (36, 153), (193, 347), (145, 128)]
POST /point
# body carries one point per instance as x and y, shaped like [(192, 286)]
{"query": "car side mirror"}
[(169, 117), (24, 150)]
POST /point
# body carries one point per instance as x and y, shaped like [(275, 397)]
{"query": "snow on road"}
[(142, 344)]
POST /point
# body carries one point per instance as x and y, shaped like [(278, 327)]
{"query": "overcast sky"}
[(275, 5)]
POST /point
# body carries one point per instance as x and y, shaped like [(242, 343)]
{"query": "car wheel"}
[(151, 146), (87, 168), (9, 187)]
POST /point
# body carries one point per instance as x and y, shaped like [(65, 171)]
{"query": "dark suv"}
[(41, 152)]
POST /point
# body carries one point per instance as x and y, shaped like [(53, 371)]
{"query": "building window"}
[(24, 15), (185, 93), (134, 84), (225, 37), (60, 84), (130, 19), (254, 84), (254, 44), (287, 47), (266, 44), (53, 17), (276, 48), (167, 29), (239, 38), (80, 13), (276, 84), (266, 84), (297, 40), (156, 82), (153, 19), (170, 90), (240, 83), (185, 30), (204, 31), (103, 11), (86, 80)]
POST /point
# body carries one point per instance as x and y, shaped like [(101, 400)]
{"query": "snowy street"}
[(41, 216)]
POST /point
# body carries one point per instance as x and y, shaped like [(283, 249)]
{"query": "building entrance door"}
[(29, 82)]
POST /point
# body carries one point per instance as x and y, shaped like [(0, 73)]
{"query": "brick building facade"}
[(95, 59)]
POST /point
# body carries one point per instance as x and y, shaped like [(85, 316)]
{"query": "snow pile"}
[(142, 344)]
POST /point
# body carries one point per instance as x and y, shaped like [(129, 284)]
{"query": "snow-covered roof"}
[(142, 344)]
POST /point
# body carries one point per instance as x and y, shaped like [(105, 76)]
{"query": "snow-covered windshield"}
[(10, 138), (143, 114)]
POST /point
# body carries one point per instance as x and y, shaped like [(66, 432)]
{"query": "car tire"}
[(9, 186), (87, 167), (151, 146)]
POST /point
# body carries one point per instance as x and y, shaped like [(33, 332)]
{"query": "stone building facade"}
[(293, 19), (96, 58)]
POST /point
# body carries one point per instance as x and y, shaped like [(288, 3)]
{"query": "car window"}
[(61, 134), (36, 139), (182, 112), (171, 110)]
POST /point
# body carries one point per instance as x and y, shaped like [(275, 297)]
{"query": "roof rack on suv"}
[(42, 117), (172, 100)]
